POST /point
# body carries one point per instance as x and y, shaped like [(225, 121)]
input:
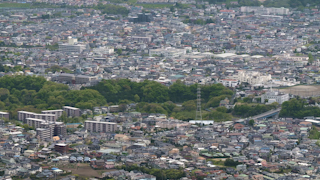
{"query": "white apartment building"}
[(265, 10), (99, 126), (67, 48), (229, 82), (4, 115), (72, 111), (33, 122), (57, 112), (23, 115), (146, 39), (72, 46), (253, 77), (103, 50), (167, 52), (274, 96), (44, 133)]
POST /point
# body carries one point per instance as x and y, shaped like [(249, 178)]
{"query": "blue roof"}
[(54, 168)]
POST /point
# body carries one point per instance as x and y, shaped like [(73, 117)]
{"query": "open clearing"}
[(83, 170), (303, 90)]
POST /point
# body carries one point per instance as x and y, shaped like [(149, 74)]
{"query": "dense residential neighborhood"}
[(159, 89)]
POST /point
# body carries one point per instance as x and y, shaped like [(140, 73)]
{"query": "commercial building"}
[(253, 77), (4, 115), (142, 17), (274, 96), (74, 79), (99, 126), (61, 148), (72, 46), (229, 82), (72, 111), (66, 48), (103, 50)]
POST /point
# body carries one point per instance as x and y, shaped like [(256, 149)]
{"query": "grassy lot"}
[(84, 170)]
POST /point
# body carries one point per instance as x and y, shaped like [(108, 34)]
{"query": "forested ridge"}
[(34, 94)]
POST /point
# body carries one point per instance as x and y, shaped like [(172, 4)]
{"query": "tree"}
[(251, 122), (311, 59), (119, 51), (136, 98), (172, 8), (189, 105), (222, 109), (122, 107), (231, 162)]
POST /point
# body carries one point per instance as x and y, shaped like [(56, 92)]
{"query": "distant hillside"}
[(271, 3)]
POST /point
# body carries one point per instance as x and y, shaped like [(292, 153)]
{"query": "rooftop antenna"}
[(198, 112)]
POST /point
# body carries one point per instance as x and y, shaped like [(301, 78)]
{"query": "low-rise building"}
[(274, 96)]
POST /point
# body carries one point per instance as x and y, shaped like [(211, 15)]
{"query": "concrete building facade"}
[(98, 126)]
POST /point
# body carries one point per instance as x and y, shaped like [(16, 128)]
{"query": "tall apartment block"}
[(4, 115), (72, 111), (60, 129), (46, 130), (98, 126)]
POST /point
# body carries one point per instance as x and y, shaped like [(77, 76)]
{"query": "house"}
[(121, 138), (110, 165), (7, 160), (224, 103)]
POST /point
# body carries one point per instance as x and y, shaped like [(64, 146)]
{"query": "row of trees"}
[(154, 92), (112, 9)]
